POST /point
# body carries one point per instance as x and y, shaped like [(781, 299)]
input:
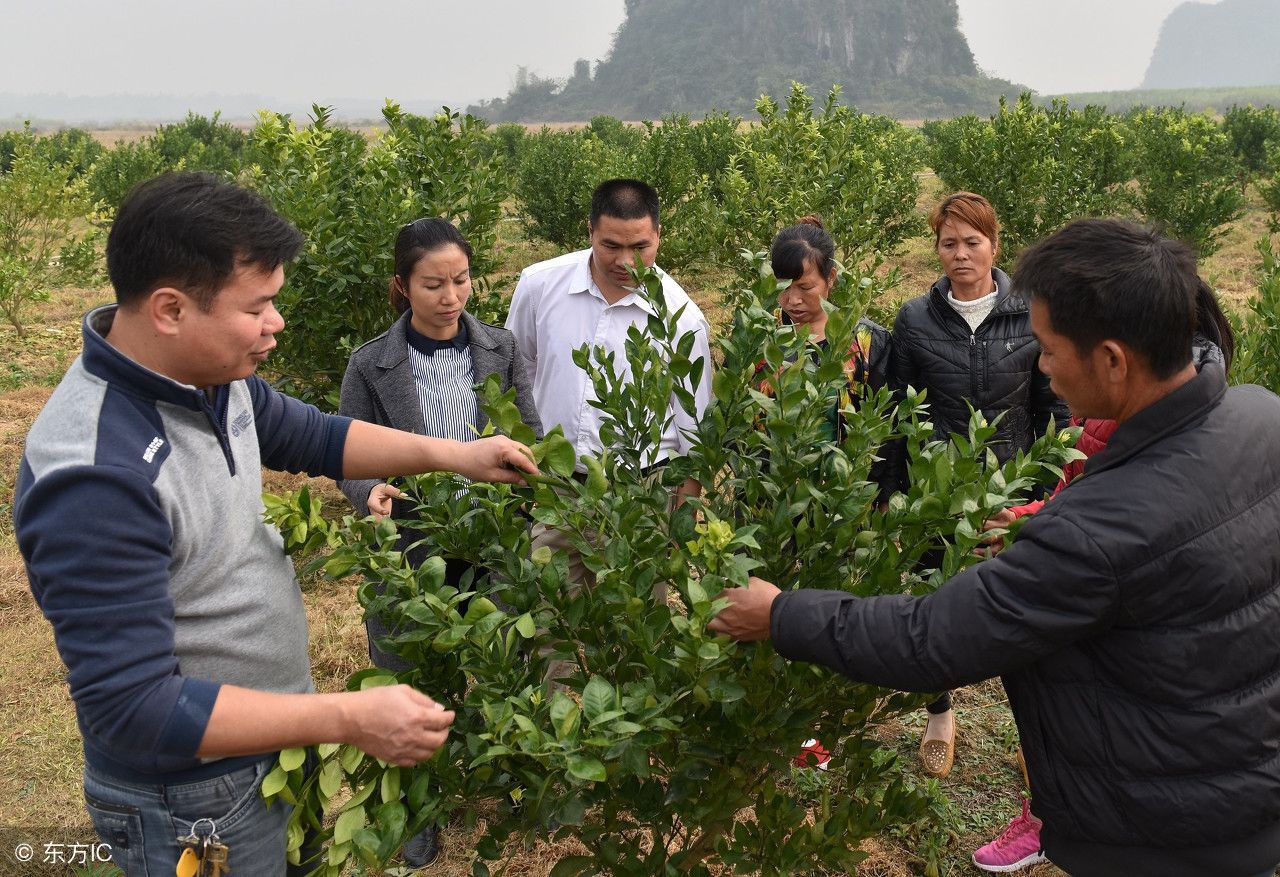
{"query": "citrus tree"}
[(42, 203), (858, 172), (667, 749), (1188, 175), (1257, 327), (350, 196), (1039, 166)]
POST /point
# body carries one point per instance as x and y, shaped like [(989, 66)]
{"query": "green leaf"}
[(525, 626), (573, 866), (274, 781), (330, 779), (597, 698), (292, 759), (391, 785), (584, 767), (558, 455), (348, 824)]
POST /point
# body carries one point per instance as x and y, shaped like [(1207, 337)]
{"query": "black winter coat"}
[(993, 368), (1136, 624)]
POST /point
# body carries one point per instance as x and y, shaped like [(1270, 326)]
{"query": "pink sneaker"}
[(1017, 847)]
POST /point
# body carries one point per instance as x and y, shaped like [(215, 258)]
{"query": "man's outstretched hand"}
[(746, 618), (496, 458)]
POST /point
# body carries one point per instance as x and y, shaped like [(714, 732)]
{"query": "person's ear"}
[(165, 308), (1113, 361)]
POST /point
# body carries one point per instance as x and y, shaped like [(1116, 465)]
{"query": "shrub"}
[(1188, 178), (665, 752), (119, 169), (505, 143), (1251, 130), (201, 143), (198, 143), (41, 202), (1040, 167), (556, 173), (559, 169), (1257, 329), (1269, 183), (858, 172), (614, 132), (350, 197)]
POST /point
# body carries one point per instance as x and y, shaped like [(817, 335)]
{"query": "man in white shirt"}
[(586, 298)]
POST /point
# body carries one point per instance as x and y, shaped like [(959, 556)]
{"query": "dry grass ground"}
[(39, 744)]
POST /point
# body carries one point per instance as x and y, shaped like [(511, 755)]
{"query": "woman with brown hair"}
[(968, 342)]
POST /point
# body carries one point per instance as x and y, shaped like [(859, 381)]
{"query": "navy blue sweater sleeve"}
[(1051, 587), (294, 436), (105, 589)]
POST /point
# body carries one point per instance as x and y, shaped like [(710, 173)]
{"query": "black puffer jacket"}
[(993, 368), (1136, 624)]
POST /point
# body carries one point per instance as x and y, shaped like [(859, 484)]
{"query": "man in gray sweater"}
[(138, 512)]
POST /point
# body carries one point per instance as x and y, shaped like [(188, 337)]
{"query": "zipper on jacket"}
[(975, 380), (219, 428)]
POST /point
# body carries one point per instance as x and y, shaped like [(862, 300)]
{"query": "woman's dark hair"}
[(422, 236), (799, 245), (192, 230), (1213, 324)]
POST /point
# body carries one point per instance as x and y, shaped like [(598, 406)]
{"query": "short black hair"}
[(625, 199), (191, 231), (800, 245), (1108, 278)]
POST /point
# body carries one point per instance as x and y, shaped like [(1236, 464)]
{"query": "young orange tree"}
[(667, 750)]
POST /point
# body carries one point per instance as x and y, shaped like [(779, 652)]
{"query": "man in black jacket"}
[(1134, 618)]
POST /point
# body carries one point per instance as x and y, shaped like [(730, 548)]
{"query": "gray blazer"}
[(378, 385)]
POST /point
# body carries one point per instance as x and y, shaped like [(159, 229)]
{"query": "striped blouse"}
[(445, 380)]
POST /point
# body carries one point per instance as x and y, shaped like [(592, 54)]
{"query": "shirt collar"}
[(428, 346), (103, 360)]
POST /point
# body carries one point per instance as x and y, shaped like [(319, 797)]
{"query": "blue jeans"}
[(142, 822)]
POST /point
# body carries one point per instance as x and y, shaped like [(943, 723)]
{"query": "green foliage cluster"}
[(665, 751), (557, 171), (1269, 184), (725, 190), (1188, 178), (69, 146), (42, 202), (350, 196), (1252, 131), (1040, 167), (1257, 328), (198, 142), (860, 173)]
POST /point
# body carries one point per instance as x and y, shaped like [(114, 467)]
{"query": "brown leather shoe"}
[(937, 756)]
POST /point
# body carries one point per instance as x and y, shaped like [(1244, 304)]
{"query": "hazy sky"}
[(463, 51)]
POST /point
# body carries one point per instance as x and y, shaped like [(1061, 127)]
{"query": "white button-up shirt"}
[(556, 309)]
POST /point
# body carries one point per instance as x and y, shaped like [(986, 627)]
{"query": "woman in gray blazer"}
[(420, 376)]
